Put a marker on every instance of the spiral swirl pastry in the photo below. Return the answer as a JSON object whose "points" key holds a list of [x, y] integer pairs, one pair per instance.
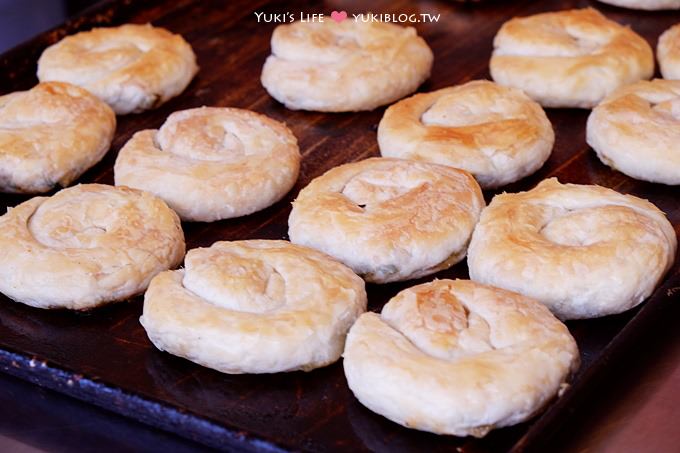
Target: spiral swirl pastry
{"points": [[584, 251], [212, 163], [389, 219], [49, 135], [496, 133], [569, 58], [86, 246], [636, 130], [456, 357], [132, 67], [343, 67], [254, 307]]}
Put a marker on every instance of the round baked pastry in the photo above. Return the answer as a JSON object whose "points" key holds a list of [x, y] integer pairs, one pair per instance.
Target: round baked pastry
{"points": [[668, 53], [645, 4], [343, 67], [254, 307], [496, 133], [456, 357], [389, 219], [132, 67], [584, 251], [86, 246], [212, 163], [569, 58], [49, 135], [636, 130]]}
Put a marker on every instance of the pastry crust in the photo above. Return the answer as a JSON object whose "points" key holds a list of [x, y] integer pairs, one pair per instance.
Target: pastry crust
{"points": [[86, 246], [569, 58], [636, 130], [389, 219], [212, 163], [668, 53], [49, 135], [254, 307], [496, 133], [343, 67], [456, 357], [649, 5], [132, 67], [584, 251]]}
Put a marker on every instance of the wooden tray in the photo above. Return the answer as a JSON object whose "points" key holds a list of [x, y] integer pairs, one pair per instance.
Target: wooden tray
{"points": [[104, 356]]}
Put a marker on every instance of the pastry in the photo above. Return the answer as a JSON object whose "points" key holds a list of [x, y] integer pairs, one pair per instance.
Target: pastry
{"points": [[584, 251], [212, 163], [389, 219], [496, 133], [86, 246], [650, 5], [343, 67], [668, 53], [254, 307], [569, 58], [456, 357], [132, 67], [49, 136], [636, 130]]}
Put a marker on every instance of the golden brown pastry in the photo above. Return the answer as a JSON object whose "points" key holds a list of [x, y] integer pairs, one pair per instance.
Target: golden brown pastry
{"points": [[51, 134], [212, 163], [668, 52], [569, 58], [496, 133], [584, 251], [343, 67], [86, 246], [254, 307], [132, 67], [636, 130], [389, 219], [456, 357]]}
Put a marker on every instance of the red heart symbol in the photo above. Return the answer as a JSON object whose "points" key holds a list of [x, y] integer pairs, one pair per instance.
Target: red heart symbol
{"points": [[339, 16]]}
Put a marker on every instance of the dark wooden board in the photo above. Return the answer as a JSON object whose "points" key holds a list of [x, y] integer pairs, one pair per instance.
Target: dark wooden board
{"points": [[104, 356]]}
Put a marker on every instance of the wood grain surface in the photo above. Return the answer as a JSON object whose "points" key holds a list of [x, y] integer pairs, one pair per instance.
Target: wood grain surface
{"points": [[104, 356]]}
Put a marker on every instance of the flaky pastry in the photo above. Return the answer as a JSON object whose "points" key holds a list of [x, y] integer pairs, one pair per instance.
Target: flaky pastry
{"points": [[132, 67], [212, 163], [496, 133], [636, 130], [668, 53], [569, 58], [584, 251], [51, 134], [389, 219], [254, 307], [456, 357], [86, 246], [341, 67]]}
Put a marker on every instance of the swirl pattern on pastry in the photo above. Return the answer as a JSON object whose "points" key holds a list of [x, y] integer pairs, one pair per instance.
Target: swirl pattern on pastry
{"points": [[341, 67], [50, 135], [132, 67], [584, 251], [636, 130], [86, 246], [496, 133], [457, 357], [212, 163], [254, 306], [569, 58], [389, 219]]}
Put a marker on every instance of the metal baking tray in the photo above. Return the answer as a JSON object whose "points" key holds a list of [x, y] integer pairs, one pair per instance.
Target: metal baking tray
{"points": [[104, 356]]}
